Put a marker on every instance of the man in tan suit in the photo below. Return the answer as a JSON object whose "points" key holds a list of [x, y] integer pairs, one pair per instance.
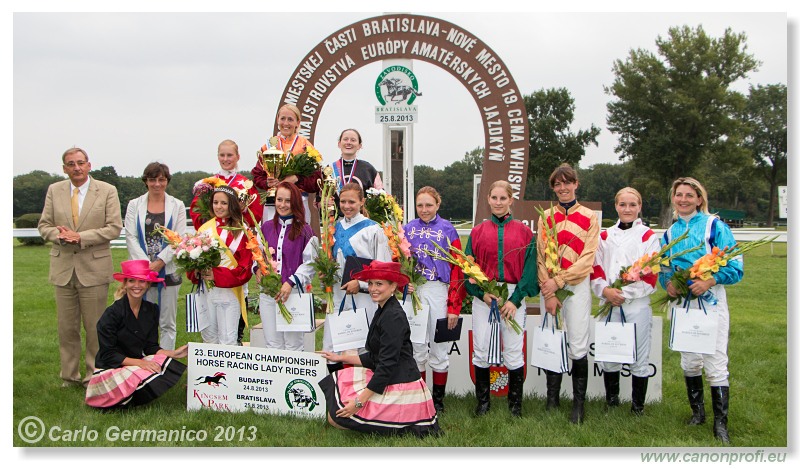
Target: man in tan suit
{"points": [[81, 216]]}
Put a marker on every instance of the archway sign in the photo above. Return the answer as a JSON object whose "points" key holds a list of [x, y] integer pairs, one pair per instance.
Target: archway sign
{"points": [[473, 63]]}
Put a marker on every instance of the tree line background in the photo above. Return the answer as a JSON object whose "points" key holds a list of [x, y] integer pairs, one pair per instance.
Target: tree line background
{"points": [[674, 113]]}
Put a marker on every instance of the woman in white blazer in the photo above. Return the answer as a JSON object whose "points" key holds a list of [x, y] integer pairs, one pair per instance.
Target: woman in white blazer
{"points": [[144, 213]]}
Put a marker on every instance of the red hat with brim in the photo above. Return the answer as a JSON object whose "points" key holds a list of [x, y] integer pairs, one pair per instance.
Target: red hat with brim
{"points": [[138, 269], [377, 270]]}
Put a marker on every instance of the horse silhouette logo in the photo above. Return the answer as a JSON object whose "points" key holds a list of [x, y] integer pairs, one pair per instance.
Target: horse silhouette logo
{"points": [[397, 91], [300, 395], [212, 380], [396, 84]]}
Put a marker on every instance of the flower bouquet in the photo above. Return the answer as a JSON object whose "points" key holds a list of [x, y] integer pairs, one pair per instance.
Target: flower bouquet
{"points": [[704, 267], [193, 253], [324, 263], [401, 253], [268, 269], [303, 164], [553, 253], [382, 206], [646, 267], [204, 191], [475, 274]]}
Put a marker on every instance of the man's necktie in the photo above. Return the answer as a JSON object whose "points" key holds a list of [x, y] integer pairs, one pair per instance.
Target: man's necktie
{"points": [[75, 211]]}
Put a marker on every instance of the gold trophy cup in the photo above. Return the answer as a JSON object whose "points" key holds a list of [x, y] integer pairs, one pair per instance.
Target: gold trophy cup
{"points": [[272, 160]]}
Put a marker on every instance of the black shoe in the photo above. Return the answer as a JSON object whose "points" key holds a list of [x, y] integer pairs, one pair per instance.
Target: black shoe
{"points": [[553, 389], [694, 389], [719, 400], [580, 379], [438, 397], [516, 378], [481, 390], [611, 380], [638, 394]]}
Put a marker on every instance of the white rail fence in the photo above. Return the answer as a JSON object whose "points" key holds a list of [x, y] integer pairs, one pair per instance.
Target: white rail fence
{"points": [[740, 234]]}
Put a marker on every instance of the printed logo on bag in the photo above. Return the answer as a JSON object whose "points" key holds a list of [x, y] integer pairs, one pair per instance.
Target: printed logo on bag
{"points": [[214, 381], [695, 327], [614, 338], [300, 395]]}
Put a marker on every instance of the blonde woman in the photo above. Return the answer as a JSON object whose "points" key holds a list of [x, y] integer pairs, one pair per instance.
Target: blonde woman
{"points": [[620, 246], [443, 290], [505, 251], [291, 143], [690, 208], [131, 367]]}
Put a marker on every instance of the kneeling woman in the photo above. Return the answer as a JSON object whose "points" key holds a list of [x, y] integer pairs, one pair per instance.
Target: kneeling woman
{"points": [[384, 391], [131, 369]]}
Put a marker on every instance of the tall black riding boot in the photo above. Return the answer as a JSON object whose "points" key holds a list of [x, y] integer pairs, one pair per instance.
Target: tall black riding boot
{"points": [[439, 385], [638, 394], [481, 390], [580, 379], [694, 389], [516, 378], [611, 380], [553, 389], [438, 397], [719, 400]]}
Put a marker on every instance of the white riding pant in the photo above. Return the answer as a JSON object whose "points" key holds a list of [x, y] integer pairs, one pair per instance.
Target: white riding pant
{"points": [[512, 342], [272, 337], [576, 312], [224, 312], [433, 294], [715, 364], [637, 311]]}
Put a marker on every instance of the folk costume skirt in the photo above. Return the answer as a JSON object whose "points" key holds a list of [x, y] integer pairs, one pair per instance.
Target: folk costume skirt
{"points": [[129, 386], [403, 408]]}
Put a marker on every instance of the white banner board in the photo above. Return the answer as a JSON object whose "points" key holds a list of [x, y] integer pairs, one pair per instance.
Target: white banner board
{"points": [[459, 380], [783, 201], [233, 379]]}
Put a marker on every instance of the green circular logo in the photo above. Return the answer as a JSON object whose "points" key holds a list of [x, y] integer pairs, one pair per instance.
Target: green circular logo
{"points": [[300, 394], [397, 85]]}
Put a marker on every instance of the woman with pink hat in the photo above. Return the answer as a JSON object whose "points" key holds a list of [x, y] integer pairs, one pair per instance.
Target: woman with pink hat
{"points": [[130, 368], [383, 391]]}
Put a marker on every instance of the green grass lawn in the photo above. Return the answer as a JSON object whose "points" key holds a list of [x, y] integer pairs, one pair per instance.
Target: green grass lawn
{"points": [[758, 367]]}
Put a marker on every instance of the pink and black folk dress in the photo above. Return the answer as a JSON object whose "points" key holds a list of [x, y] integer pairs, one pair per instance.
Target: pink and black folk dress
{"points": [[402, 403], [122, 335]]}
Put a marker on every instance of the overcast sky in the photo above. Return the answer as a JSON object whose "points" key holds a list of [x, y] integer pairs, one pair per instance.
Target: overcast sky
{"points": [[131, 88]]}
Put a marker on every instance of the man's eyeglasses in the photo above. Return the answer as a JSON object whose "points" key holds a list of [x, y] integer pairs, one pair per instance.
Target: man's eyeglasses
{"points": [[73, 164]]}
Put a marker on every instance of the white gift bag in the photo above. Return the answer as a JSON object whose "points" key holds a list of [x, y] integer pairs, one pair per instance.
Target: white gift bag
{"points": [[693, 330], [348, 327], [301, 307], [418, 322], [615, 342], [549, 348]]}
